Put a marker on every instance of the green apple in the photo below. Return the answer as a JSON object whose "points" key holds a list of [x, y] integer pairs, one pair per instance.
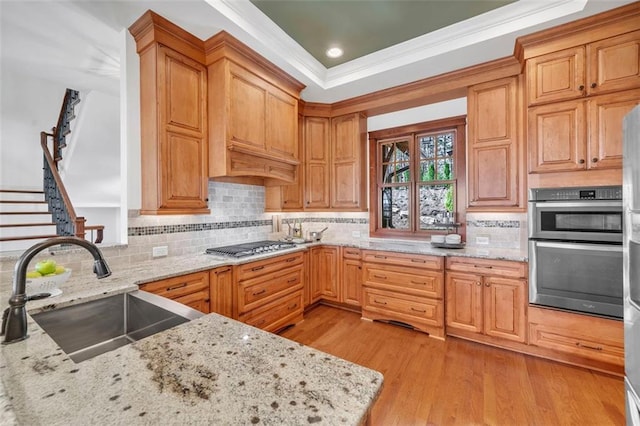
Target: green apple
{"points": [[60, 270], [46, 267], [33, 274]]}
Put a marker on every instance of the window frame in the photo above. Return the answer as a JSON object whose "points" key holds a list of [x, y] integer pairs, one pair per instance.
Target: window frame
{"points": [[411, 132]]}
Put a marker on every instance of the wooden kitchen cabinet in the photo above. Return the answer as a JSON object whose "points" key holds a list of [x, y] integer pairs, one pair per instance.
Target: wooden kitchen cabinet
{"points": [[348, 158], [253, 113], [317, 154], [173, 124], [191, 290], [405, 288], [486, 297], [604, 66], [270, 291], [495, 148], [351, 277], [324, 272], [580, 134], [221, 291]]}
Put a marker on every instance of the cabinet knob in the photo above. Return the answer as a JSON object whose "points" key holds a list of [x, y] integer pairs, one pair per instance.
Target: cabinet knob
{"points": [[581, 88], [594, 85], [478, 283], [594, 160], [487, 285], [581, 161]]}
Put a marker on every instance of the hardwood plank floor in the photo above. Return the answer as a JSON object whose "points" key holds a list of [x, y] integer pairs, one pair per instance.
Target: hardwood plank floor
{"points": [[456, 382]]}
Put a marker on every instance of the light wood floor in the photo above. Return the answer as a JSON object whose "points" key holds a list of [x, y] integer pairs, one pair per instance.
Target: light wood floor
{"points": [[427, 381]]}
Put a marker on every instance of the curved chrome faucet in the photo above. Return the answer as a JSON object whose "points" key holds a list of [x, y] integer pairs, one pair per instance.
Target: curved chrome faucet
{"points": [[15, 324]]}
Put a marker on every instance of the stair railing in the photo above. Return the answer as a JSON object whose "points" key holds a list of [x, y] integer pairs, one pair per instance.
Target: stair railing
{"points": [[64, 215]]}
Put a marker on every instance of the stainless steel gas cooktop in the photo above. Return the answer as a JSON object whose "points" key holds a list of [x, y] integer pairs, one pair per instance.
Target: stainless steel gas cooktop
{"points": [[248, 249]]}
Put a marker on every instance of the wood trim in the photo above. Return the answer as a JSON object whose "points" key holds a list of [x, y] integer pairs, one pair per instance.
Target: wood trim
{"points": [[447, 86], [417, 128], [263, 155], [602, 25], [224, 45], [152, 28], [315, 109]]}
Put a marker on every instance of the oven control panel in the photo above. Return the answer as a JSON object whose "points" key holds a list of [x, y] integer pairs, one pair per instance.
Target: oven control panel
{"points": [[562, 194]]}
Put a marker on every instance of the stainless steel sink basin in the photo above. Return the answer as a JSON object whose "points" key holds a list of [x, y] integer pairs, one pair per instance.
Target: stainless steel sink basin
{"points": [[92, 328]]}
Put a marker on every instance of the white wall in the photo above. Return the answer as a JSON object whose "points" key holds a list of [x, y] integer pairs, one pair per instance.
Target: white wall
{"points": [[419, 114]]}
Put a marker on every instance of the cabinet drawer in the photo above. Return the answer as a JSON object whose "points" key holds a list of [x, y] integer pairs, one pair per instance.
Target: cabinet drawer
{"points": [[499, 268], [261, 267], [404, 308], [395, 278], [403, 259], [198, 301], [351, 253], [173, 288], [277, 314], [257, 291], [585, 336]]}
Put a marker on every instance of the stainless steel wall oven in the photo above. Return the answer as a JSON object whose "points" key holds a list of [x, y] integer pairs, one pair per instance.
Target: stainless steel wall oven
{"points": [[575, 249]]}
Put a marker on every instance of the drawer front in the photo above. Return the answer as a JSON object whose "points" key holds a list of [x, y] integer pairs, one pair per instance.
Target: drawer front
{"points": [[260, 290], [403, 307], [198, 301], [261, 267], [403, 259], [422, 283], [499, 268], [172, 288], [277, 314], [351, 253]]}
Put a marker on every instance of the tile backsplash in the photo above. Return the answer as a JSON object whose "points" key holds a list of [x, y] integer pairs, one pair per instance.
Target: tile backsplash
{"points": [[497, 230]]}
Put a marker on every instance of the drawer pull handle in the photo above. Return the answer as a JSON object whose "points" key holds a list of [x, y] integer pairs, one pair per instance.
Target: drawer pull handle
{"points": [[418, 261], [379, 302], [582, 345], [258, 293], [223, 271], [295, 305], [292, 280], [260, 322], [422, 311], [418, 282], [481, 266], [291, 259], [382, 277], [175, 287], [352, 252], [257, 268], [377, 256]]}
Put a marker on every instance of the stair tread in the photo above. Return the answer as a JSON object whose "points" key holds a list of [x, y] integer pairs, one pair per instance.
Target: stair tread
{"points": [[29, 237], [12, 225]]}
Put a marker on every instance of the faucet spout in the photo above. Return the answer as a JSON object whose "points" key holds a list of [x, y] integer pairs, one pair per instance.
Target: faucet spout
{"points": [[14, 325]]}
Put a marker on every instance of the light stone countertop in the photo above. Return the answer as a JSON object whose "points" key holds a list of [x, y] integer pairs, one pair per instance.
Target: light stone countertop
{"points": [[213, 370]]}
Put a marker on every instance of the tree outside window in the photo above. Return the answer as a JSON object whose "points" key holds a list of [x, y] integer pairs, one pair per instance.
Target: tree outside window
{"points": [[418, 179]]}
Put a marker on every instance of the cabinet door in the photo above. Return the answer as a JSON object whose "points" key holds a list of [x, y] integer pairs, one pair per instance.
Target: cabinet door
{"points": [[614, 63], [504, 308], [556, 76], [198, 301], [316, 144], [493, 113], [557, 137], [281, 124], [347, 156], [464, 301], [606, 113], [221, 291], [325, 273], [352, 282]]}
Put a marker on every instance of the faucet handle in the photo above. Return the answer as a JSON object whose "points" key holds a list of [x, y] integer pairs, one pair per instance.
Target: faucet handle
{"points": [[101, 269]]}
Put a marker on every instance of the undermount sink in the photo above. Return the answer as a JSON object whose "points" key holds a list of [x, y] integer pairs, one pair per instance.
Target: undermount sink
{"points": [[92, 328]]}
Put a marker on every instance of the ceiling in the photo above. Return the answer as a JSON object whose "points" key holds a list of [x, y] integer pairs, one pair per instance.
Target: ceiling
{"points": [[81, 40], [363, 27]]}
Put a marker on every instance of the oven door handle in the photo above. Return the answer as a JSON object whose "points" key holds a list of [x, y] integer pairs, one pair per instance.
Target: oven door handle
{"points": [[578, 246], [574, 204]]}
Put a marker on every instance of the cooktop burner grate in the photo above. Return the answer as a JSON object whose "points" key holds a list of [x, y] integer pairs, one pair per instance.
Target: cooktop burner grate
{"points": [[248, 249]]}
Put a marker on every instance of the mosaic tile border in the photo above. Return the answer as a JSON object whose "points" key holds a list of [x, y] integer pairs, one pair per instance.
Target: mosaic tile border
{"points": [[494, 223], [137, 231], [352, 221]]}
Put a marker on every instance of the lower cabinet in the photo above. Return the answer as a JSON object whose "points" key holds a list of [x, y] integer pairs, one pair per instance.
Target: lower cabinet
{"points": [[221, 287], [404, 288], [270, 292], [324, 273], [351, 277], [191, 290], [486, 298]]}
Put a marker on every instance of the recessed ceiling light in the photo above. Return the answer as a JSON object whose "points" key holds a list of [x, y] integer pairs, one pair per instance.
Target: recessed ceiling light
{"points": [[334, 52]]}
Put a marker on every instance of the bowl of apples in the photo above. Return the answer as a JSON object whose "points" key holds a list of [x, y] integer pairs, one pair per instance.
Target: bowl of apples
{"points": [[46, 278]]}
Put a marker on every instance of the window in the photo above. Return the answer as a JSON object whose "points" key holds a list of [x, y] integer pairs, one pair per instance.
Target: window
{"points": [[417, 178]]}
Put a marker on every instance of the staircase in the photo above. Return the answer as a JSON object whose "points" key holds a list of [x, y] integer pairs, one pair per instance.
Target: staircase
{"points": [[28, 217]]}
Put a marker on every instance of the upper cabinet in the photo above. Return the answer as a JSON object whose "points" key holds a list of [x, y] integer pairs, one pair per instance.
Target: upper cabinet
{"points": [[173, 94], [603, 66], [253, 114], [348, 158], [495, 148], [316, 165]]}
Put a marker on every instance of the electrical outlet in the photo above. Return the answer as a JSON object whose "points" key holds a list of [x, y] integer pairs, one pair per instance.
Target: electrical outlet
{"points": [[160, 251], [482, 240], [355, 234]]}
